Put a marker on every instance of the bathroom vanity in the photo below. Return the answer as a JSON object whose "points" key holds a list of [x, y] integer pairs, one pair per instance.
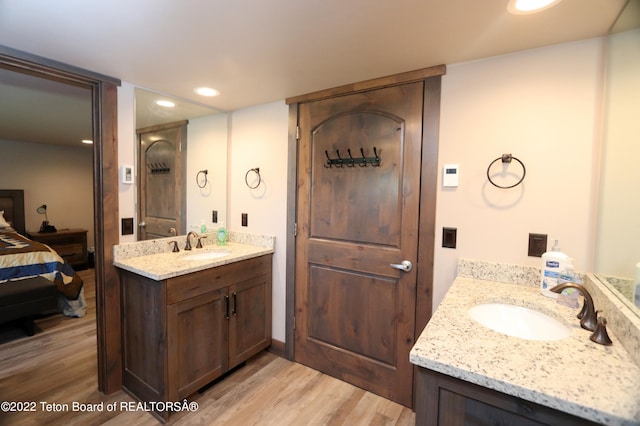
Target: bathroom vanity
{"points": [[190, 317], [468, 371]]}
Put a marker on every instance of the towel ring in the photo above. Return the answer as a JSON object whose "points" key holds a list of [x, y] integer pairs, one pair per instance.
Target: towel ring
{"points": [[506, 158], [205, 178], [246, 177]]}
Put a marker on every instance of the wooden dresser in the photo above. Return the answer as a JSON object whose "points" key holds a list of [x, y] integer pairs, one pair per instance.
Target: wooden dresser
{"points": [[71, 245]]}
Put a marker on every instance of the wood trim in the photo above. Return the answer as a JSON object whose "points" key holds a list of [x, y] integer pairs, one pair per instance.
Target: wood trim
{"points": [[163, 126], [428, 195], [108, 307], [292, 185], [42, 67], [105, 194], [376, 83], [277, 348]]}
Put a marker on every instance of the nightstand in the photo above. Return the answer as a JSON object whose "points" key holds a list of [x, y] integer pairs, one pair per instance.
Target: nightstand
{"points": [[71, 245]]}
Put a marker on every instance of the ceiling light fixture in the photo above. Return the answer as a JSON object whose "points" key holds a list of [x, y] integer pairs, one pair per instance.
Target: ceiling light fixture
{"points": [[87, 141], [164, 103], [523, 7], [206, 91]]}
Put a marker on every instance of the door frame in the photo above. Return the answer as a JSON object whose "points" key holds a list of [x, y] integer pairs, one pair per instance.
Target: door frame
{"points": [[104, 113], [432, 78]]}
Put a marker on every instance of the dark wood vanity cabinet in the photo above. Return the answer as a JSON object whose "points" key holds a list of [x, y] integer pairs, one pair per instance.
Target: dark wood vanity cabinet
{"points": [[184, 332], [446, 401]]}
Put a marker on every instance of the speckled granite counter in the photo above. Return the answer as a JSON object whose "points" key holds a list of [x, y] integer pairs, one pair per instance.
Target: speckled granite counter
{"points": [[154, 258], [573, 375]]}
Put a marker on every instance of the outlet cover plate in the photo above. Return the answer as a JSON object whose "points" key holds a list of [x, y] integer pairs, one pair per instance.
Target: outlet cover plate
{"points": [[449, 237], [127, 225], [537, 244]]}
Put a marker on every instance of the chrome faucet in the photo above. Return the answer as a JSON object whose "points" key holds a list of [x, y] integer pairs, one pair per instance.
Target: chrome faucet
{"points": [[187, 246], [588, 316]]}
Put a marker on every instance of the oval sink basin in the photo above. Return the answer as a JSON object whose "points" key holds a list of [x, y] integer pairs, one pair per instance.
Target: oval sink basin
{"points": [[207, 255], [518, 321]]}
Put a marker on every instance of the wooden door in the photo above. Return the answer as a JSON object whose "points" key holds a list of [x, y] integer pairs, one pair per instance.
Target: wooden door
{"points": [[354, 312], [161, 191]]}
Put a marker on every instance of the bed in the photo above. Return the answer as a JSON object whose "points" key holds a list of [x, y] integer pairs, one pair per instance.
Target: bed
{"points": [[34, 279]]}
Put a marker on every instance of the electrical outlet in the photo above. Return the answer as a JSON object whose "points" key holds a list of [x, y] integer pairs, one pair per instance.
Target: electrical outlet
{"points": [[127, 225], [449, 237], [537, 244], [245, 219], [214, 216]]}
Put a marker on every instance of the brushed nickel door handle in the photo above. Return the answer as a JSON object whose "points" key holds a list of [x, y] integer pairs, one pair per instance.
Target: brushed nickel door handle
{"points": [[405, 266]]}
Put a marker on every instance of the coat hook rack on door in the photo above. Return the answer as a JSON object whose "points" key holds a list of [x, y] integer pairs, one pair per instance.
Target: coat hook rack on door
{"points": [[361, 161]]}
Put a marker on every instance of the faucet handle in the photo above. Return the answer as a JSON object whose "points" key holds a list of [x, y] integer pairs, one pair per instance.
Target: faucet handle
{"points": [[600, 334], [175, 246], [199, 245]]}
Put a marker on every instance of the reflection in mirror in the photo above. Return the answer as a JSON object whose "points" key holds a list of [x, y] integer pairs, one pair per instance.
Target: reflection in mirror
{"points": [[205, 147], [617, 262]]}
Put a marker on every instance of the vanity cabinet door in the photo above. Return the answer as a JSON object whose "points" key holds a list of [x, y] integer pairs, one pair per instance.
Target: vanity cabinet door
{"points": [[446, 401], [250, 318], [197, 334]]}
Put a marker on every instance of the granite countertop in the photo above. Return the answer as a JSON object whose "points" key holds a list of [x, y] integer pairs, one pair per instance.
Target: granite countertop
{"points": [[154, 259], [573, 375]]}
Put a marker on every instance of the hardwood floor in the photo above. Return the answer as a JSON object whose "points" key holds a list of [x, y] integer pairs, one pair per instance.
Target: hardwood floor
{"points": [[58, 366]]}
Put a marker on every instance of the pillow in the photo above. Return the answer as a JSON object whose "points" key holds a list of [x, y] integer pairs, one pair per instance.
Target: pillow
{"points": [[3, 222]]}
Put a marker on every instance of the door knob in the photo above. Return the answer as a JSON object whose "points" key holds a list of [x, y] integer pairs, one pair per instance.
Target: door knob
{"points": [[172, 231], [405, 266], [142, 224]]}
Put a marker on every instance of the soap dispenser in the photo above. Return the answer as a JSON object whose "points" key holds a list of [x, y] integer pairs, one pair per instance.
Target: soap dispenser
{"points": [[553, 262]]}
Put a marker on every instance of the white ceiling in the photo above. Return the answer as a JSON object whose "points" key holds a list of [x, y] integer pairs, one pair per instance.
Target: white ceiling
{"points": [[258, 51]]}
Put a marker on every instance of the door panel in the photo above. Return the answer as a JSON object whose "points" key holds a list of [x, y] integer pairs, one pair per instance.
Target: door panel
{"points": [[355, 313], [346, 314]]}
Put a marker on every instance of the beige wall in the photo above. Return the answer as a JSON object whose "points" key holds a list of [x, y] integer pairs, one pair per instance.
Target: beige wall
{"points": [[60, 177], [540, 105]]}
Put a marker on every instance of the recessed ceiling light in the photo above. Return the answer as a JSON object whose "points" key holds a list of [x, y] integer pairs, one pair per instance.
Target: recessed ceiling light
{"points": [[523, 7], [87, 141], [165, 103], [206, 91]]}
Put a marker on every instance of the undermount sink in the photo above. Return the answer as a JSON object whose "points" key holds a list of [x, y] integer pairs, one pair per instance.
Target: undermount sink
{"points": [[207, 255], [518, 321]]}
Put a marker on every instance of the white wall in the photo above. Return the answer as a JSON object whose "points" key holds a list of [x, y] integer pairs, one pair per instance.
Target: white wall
{"points": [[207, 150], [542, 106], [258, 138], [59, 176], [126, 155]]}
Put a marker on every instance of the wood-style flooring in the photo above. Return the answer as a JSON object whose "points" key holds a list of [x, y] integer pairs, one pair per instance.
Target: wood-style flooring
{"points": [[58, 366]]}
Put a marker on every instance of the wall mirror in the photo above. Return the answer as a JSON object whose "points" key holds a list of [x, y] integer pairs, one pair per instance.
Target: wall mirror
{"points": [[618, 231], [204, 153]]}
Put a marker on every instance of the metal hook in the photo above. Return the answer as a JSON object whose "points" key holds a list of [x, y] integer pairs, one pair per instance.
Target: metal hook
{"points": [[328, 164], [351, 162], [364, 158], [339, 163]]}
